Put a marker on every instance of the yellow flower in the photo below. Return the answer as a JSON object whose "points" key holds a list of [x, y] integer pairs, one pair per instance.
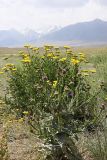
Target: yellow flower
{"points": [[85, 74], [63, 59], [54, 84], [74, 61], [56, 48], [14, 69], [50, 55], [42, 57], [35, 49], [47, 49], [21, 120], [69, 52], [82, 59], [55, 57], [84, 70], [1, 72], [67, 47], [26, 60], [25, 55], [49, 46], [9, 65], [48, 81], [31, 47], [93, 70], [26, 112], [27, 46], [4, 68], [81, 54], [21, 52], [58, 52]]}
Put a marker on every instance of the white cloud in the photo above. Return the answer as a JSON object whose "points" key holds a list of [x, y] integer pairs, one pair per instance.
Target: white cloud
{"points": [[42, 14], [57, 3], [101, 2]]}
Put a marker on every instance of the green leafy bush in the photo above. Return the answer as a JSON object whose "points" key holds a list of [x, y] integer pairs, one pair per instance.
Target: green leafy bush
{"points": [[54, 92]]}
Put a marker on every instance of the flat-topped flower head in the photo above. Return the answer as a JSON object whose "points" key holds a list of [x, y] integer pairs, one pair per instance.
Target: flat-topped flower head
{"points": [[67, 47], [58, 52], [69, 52], [48, 47], [74, 61], [42, 57], [9, 65], [4, 68], [35, 49], [21, 52], [26, 60], [92, 70], [50, 55], [27, 46], [81, 54], [25, 55], [85, 74], [62, 59], [55, 57], [85, 70], [1, 72], [56, 48], [25, 112], [14, 69], [31, 47], [54, 84]]}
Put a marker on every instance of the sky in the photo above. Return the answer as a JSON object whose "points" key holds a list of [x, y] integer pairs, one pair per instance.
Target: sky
{"points": [[42, 15]]}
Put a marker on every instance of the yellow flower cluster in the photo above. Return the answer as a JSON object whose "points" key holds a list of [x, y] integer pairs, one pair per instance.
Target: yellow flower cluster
{"points": [[27, 46], [1, 72], [82, 57], [54, 84], [74, 61], [21, 120], [35, 49], [67, 47], [93, 70], [26, 58], [62, 59], [68, 50], [48, 46], [55, 57], [86, 72], [8, 67], [25, 112], [50, 55]]}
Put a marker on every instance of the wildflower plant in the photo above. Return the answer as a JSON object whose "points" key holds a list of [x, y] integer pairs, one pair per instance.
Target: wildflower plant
{"points": [[53, 92]]}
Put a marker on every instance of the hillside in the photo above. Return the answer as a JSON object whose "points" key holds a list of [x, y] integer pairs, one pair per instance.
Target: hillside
{"points": [[93, 31]]}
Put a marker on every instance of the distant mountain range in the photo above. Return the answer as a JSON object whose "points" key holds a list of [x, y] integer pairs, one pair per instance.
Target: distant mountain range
{"points": [[81, 33], [13, 38]]}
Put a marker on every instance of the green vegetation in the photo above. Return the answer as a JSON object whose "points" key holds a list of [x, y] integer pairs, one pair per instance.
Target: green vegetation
{"points": [[61, 93]]}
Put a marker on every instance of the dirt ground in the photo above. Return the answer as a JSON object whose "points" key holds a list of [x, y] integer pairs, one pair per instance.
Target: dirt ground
{"points": [[16, 143]]}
